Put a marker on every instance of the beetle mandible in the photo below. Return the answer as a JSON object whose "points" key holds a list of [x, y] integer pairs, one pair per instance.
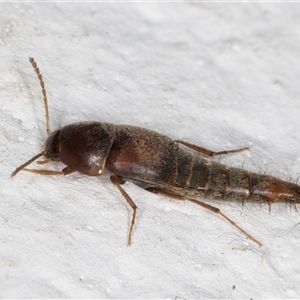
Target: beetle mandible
{"points": [[155, 163]]}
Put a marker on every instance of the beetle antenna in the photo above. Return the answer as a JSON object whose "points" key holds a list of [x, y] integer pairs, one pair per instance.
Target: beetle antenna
{"points": [[39, 75], [18, 169]]}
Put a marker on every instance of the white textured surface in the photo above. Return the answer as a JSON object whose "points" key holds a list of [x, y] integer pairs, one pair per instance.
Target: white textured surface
{"points": [[219, 75]]}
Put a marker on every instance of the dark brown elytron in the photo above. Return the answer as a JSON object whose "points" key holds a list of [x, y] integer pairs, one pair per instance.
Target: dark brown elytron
{"points": [[157, 164]]}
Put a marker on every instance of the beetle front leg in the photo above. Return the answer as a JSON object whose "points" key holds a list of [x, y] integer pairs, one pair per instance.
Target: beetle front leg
{"points": [[65, 171], [117, 181]]}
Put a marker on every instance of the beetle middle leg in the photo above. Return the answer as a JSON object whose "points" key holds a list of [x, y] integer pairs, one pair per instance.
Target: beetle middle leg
{"points": [[204, 205], [117, 181], [207, 151]]}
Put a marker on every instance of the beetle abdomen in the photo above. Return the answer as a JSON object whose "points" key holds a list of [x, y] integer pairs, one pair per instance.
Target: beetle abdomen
{"points": [[204, 178]]}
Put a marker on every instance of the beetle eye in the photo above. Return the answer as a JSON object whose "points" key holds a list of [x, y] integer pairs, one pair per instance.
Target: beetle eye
{"points": [[52, 146]]}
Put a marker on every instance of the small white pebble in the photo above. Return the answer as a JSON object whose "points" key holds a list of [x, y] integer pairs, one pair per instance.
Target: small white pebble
{"points": [[290, 293], [168, 209], [236, 48], [90, 228]]}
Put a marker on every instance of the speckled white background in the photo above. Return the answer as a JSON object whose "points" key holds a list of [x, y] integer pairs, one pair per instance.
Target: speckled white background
{"points": [[221, 75]]}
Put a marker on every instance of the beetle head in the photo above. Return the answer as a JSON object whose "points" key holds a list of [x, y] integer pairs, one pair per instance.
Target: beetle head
{"points": [[52, 146]]}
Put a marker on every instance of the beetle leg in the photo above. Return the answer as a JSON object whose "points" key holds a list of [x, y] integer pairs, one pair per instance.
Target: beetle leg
{"points": [[209, 152], [117, 181], [65, 171], [204, 205], [45, 161]]}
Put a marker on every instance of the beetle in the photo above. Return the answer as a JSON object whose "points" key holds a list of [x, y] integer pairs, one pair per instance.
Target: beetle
{"points": [[155, 163]]}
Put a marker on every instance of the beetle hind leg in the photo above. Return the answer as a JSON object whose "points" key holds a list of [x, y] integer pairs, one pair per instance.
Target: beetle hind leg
{"points": [[204, 205], [209, 152]]}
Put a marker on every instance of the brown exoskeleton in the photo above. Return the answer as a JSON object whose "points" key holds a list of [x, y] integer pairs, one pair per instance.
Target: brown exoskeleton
{"points": [[156, 163]]}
